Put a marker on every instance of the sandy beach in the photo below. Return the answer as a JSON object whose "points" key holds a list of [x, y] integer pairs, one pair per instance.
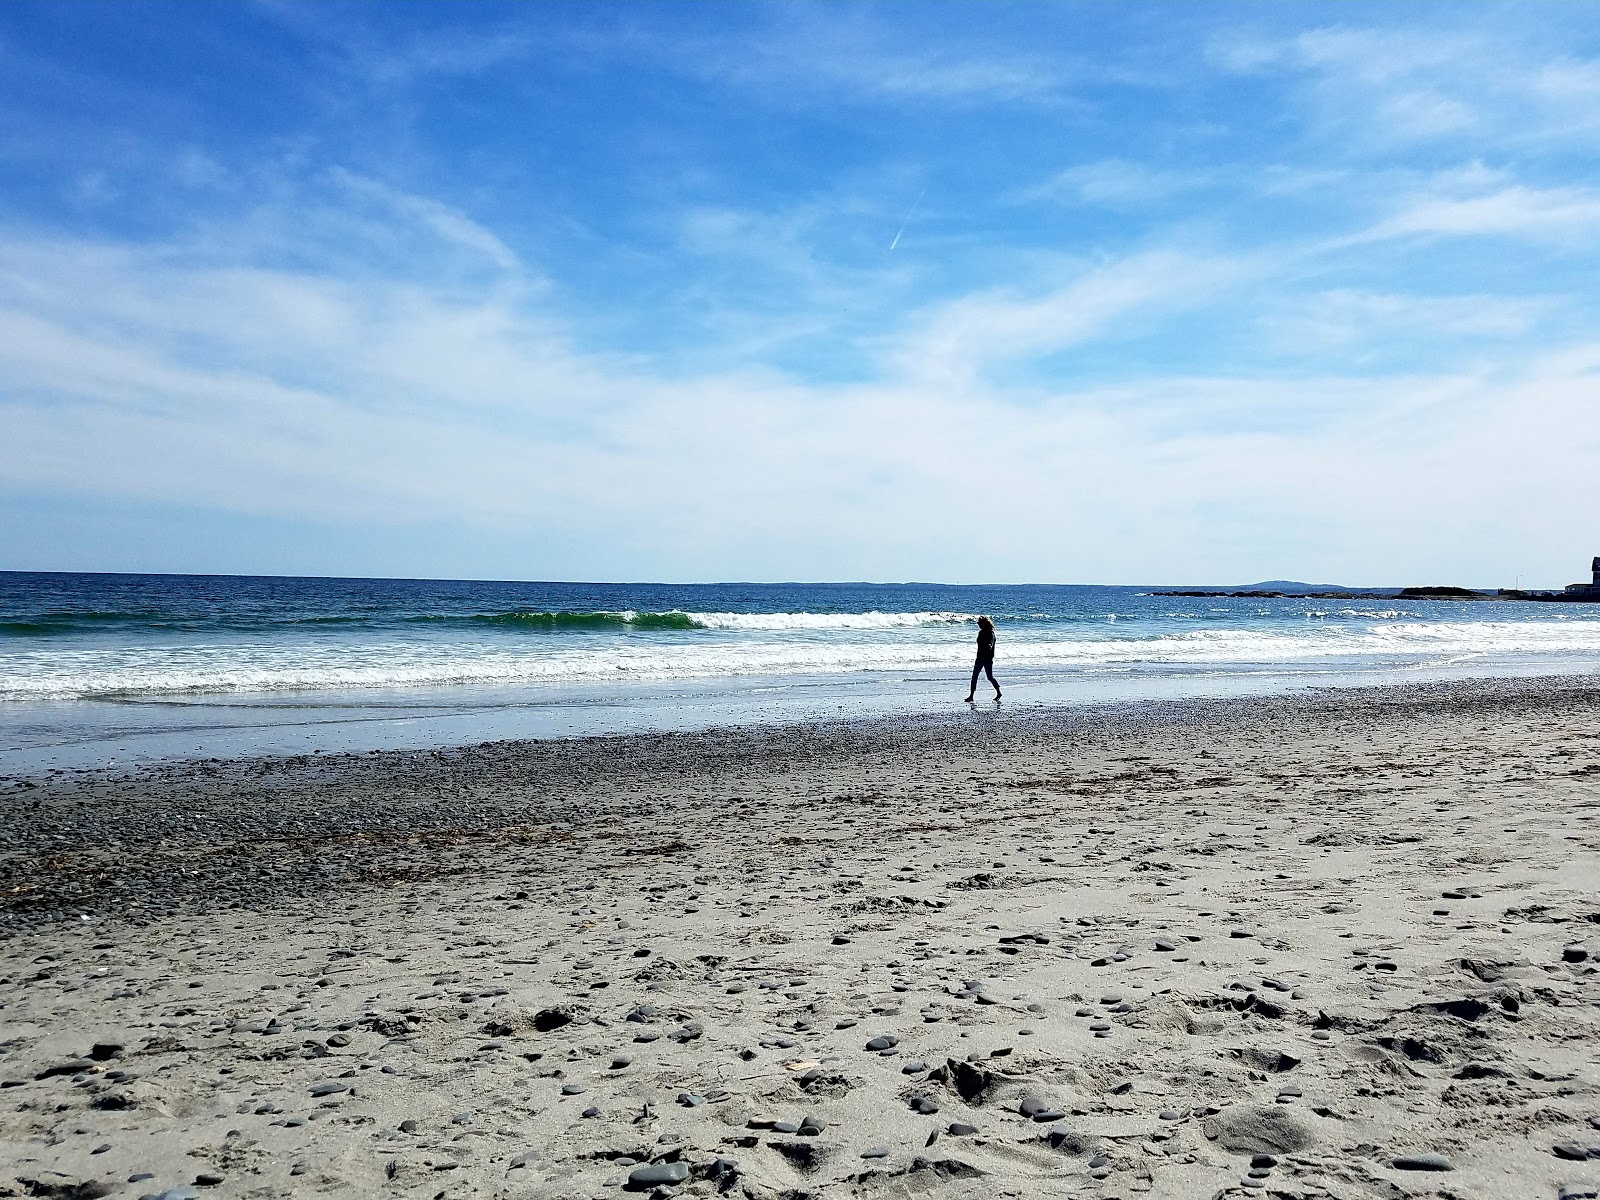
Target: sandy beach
{"points": [[1341, 945]]}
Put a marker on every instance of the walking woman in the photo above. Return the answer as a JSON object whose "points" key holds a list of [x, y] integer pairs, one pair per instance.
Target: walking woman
{"points": [[985, 661]]}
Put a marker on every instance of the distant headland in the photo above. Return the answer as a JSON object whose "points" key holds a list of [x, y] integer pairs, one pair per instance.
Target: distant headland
{"points": [[1283, 589]]}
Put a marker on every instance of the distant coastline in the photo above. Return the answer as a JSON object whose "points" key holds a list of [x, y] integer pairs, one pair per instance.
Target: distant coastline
{"points": [[1284, 589], [1408, 593]]}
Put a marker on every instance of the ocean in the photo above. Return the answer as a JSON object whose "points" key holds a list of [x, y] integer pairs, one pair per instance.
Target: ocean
{"points": [[114, 669]]}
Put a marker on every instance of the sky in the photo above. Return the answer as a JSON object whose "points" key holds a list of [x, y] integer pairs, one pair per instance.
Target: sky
{"points": [[1049, 292]]}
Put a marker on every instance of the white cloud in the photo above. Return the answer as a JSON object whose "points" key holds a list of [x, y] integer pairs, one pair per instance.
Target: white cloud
{"points": [[1521, 211], [1347, 318], [444, 221], [1491, 80], [1113, 182], [953, 342], [145, 376]]}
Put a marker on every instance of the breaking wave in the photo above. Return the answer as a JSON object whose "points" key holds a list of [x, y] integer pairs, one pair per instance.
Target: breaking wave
{"points": [[133, 673]]}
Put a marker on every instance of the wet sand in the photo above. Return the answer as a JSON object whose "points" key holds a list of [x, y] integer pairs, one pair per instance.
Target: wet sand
{"points": [[1332, 946]]}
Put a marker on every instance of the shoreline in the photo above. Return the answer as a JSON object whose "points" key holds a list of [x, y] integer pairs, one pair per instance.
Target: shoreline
{"points": [[386, 797], [1339, 945]]}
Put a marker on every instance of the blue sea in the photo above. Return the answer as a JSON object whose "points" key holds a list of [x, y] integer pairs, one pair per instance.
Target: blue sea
{"points": [[116, 669]]}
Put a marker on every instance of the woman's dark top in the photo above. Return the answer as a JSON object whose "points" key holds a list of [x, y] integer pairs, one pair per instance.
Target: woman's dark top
{"points": [[985, 645]]}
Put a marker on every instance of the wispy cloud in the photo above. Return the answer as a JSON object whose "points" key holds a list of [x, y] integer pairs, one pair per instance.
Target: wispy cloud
{"points": [[1540, 213], [448, 223], [1364, 322], [617, 289], [1114, 182], [1492, 78]]}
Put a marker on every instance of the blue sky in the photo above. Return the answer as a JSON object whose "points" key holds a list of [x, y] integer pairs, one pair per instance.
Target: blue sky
{"points": [[1049, 292]]}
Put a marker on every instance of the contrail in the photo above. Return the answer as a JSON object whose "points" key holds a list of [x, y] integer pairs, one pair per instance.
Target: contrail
{"points": [[910, 212]]}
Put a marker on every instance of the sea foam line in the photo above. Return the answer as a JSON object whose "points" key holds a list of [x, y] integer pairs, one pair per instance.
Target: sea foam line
{"points": [[198, 670]]}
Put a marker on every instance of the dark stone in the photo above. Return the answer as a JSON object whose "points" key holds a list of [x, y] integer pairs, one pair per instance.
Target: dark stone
{"points": [[673, 1172], [550, 1019], [1423, 1162]]}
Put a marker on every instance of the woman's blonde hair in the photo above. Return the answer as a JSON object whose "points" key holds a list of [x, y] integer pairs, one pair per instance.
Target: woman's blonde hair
{"points": [[985, 623]]}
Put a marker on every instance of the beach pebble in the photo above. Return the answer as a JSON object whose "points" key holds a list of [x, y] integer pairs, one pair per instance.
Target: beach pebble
{"points": [[328, 1089], [573, 1089], [1574, 953], [673, 1172], [1039, 1109], [962, 1129], [924, 1105], [884, 1041], [876, 1152]]}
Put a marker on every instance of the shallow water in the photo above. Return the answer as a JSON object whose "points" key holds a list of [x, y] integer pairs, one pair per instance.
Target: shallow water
{"points": [[96, 669]]}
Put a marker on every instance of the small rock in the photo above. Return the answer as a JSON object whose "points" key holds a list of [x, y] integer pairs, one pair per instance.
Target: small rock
{"points": [[1423, 1162], [673, 1172]]}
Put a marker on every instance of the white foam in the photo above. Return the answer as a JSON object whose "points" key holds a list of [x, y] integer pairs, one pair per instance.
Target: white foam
{"points": [[788, 651], [823, 621]]}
